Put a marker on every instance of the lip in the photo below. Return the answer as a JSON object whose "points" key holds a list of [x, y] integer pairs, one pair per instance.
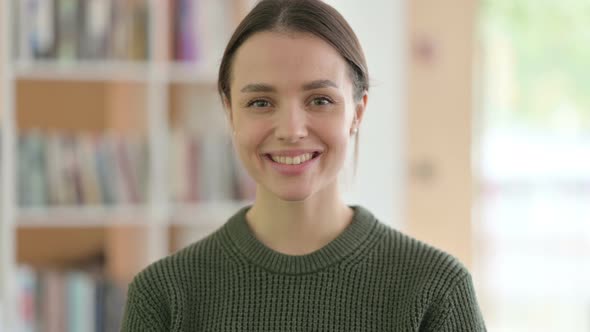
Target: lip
{"points": [[291, 153], [292, 170]]}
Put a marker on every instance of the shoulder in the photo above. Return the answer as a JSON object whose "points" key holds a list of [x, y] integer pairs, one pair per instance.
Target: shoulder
{"points": [[441, 286], [155, 292], [205, 258], [427, 266], [171, 273]]}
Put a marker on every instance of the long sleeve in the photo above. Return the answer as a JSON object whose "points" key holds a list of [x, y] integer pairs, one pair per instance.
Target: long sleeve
{"points": [[140, 314], [459, 311], [370, 278]]}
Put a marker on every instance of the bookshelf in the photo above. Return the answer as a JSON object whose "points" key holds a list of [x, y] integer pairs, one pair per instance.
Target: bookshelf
{"points": [[152, 88]]}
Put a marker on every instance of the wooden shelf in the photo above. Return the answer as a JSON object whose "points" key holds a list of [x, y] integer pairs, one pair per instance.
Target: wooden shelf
{"points": [[115, 71], [66, 247], [100, 71], [86, 216], [206, 215], [81, 107], [57, 247]]}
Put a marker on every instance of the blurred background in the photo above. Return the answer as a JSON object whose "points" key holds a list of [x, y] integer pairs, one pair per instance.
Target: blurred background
{"points": [[115, 151]]}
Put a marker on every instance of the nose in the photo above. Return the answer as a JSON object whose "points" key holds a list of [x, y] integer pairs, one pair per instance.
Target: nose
{"points": [[291, 124]]}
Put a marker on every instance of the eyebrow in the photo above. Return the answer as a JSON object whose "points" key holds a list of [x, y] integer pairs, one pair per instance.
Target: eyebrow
{"points": [[317, 84], [258, 87]]}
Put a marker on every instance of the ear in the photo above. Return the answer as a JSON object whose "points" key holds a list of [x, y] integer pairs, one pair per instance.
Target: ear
{"points": [[359, 112]]}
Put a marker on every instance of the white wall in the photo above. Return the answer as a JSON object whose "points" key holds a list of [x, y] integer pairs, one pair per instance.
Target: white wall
{"points": [[380, 181]]}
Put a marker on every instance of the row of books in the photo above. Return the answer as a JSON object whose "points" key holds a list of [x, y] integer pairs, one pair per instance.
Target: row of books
{"points": [[75, 169], [119, 29], [201, 28], [82, 169], [74, 300], [206, 168], [69, 30]]}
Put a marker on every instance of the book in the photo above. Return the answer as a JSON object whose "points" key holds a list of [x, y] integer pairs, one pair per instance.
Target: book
{"points": [[139, 30], [68, 18], [35, 29], [86, 155], [83, 169], [106, 173], [178, 166], [216, 171], [37, 161], [130, 193], [187, 30], [32, 186], [27, 297], [70, 30], [43, 32], [80, 301], [70, 169], [54, 170], [201, 30], [73, 299], [52, 302], [95, 28], [193, 161]]}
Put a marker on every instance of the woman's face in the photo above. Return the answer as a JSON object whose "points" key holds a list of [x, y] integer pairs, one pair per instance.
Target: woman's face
{"points": [[292, 113]]}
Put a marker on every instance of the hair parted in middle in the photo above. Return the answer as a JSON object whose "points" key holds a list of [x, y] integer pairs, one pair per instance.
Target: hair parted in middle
{"points": [[306, 16]]}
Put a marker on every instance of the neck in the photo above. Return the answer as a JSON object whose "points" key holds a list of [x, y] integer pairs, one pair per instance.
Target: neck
{"points": [[300, 227]]}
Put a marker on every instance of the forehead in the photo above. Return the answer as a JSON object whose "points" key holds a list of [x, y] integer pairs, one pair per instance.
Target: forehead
{"points": [[282, 59]]}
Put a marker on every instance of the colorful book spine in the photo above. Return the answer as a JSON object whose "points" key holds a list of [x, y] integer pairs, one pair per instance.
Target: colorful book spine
{"points": [[95, 28], [68, 301], [82, 169], [80, 301], [72, 30], [201, 30], [27, 295], [68, 28], [67, 169]]}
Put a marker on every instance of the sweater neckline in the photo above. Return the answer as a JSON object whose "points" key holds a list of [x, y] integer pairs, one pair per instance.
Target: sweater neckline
{"points": [[350, 240]]}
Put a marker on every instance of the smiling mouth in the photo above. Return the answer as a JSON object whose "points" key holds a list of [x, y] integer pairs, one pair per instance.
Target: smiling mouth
{"points": [[283, 160]]}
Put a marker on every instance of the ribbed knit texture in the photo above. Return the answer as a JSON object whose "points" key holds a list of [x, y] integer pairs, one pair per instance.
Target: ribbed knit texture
{"points": [[370, 278]]}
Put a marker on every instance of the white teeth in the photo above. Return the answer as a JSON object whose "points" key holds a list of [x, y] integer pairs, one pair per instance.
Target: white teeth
{"points": [[292, 160]]}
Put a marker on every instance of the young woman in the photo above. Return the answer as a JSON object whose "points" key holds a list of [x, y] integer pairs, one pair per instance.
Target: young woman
{"points": [[294, 83]]}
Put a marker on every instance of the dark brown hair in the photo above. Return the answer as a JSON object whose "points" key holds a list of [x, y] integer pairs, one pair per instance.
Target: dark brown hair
{"points": [[309, 16]]}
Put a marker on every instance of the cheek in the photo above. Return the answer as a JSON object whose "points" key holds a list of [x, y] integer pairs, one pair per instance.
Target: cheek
{"points": [[334, 132], [249, 134]]}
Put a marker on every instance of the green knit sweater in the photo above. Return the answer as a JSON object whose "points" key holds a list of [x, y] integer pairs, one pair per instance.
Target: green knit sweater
{"points": [[370, 278]]}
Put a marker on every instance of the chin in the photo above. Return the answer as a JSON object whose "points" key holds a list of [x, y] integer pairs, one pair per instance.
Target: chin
{"points": [[297, 195], [293, 196]]}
